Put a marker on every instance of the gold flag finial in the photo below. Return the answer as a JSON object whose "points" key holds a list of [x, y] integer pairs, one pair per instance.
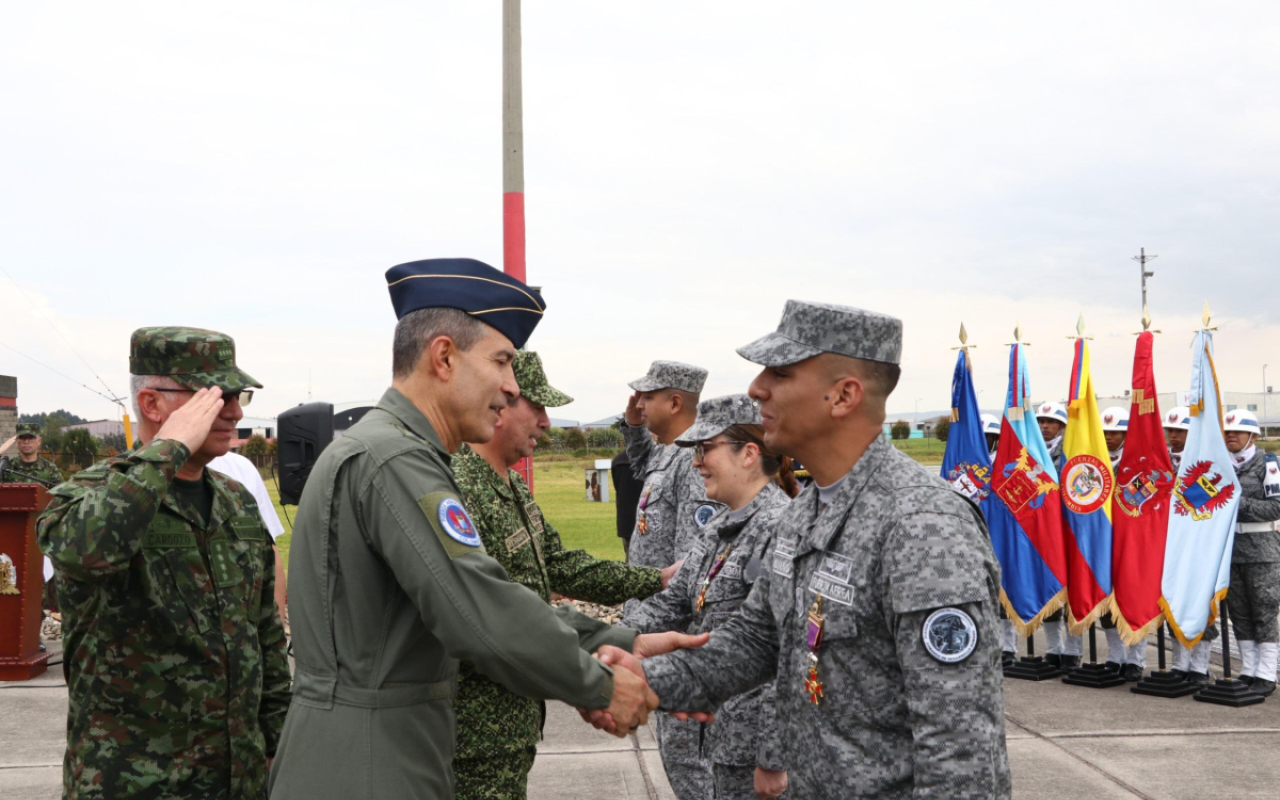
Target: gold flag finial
{"points": [[1080, 325], [1146, 318], [1017, 334], [1206, 316], [964, 336]]}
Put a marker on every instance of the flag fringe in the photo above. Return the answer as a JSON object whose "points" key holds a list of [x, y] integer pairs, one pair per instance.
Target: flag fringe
{"points": [[1079, 627], [1032, 625], [1128, 633], [1218, 597], [955, 415]]}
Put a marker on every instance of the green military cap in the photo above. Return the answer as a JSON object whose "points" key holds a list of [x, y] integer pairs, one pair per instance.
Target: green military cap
{"points": [[28, 429], [533, 381], [194, 357]]}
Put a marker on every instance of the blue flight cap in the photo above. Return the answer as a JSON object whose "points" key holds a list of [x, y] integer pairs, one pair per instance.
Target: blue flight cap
{"points": [[468, 285]]}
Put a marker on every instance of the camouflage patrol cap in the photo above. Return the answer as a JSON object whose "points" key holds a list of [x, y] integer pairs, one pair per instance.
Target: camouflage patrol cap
{"points": [[28, 429], [717, 415], [810, 329], [671, 375], [533, 381], [194, 357]]}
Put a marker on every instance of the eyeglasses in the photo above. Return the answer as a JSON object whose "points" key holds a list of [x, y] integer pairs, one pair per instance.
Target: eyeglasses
{"points": [[245, 396], [700, 449]]}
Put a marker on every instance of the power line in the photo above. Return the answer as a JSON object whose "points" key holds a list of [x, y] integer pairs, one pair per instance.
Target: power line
{"points": [[112, 400], [58, 331]]}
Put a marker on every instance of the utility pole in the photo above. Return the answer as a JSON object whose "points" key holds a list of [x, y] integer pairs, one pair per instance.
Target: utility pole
{"points": [[1142, 258], [512, 144], [1264, 401]]}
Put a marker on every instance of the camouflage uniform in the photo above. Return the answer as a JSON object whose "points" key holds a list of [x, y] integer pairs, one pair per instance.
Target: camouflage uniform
{"points": [[498, 730], [1254, 596], [673, 503], [42, 468], [744, 734], [911, 702], [175, 656], [673, 508]]}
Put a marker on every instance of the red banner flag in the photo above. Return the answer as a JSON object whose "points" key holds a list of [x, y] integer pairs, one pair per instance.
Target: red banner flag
{"points": [[1140, 507]]}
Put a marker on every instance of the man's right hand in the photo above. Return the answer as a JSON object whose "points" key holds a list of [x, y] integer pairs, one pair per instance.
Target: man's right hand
{"points": [[632, 415], [8, 443], [631, 703], [191, 423]]}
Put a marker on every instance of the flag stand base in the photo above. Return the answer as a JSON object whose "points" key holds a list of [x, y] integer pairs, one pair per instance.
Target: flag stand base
{"points": [[1094, 676], [1032, 668], [1229, 692], [1164, 684]]}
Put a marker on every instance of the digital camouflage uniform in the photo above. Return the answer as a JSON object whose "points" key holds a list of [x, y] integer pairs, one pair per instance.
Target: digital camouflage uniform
{"points": [[498, 730], [672, 509], [1254, 596], [744, 735], [911, 702], [175, 656]]}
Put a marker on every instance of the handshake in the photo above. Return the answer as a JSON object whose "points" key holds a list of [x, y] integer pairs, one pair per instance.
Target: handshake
{"points": [[632, 698]]}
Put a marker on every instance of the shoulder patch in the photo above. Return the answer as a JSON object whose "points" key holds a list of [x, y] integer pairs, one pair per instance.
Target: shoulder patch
{"points": [[704, 514], [949, 635], [451, 523]]}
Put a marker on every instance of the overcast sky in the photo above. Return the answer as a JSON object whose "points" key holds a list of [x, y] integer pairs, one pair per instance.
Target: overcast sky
{"points": [[256, 167]]}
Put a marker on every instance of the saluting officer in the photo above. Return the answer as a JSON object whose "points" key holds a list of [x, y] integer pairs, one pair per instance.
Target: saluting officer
{"points": [[175, 655], [878, 612], [390, 584], [29, 463], [673, 505], [498, 730], [742, 745], [1254, 597]]}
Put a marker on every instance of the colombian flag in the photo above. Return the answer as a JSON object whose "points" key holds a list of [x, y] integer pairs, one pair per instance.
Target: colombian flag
{"points": [[1026, 519], [1086, 484], [1206, 497], [1140, 507]]}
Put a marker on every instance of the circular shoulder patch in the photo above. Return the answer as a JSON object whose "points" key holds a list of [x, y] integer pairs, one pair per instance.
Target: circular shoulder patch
{"points": [[949, 635], [456, 523], [704, 514]]}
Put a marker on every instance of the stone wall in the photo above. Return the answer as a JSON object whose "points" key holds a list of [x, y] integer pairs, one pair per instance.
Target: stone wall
{"points": [[8, 407]]}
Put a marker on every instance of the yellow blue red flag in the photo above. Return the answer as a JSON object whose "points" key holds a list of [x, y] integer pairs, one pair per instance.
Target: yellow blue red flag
{"points": [[1087, 483]]}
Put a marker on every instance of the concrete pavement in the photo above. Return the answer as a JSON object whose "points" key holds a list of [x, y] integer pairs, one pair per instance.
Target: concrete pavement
{"points": [[1064, 742]]}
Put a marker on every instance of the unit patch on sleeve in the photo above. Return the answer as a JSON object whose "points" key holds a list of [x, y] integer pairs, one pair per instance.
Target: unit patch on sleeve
{"points": [[451, 523], [949, 635], [704, 514]]}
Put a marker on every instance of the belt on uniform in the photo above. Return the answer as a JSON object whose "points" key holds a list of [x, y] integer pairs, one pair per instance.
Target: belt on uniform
{"points": [[323, 691], [1255, 527]]}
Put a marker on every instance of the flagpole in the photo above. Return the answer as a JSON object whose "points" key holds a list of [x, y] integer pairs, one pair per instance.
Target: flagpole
{"points": [[1092, 675], [1162, 682], [1030, 667]]}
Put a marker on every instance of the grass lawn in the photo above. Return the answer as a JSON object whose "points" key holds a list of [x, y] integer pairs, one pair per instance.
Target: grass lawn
{"points": [[558, 486], [561, 494]]}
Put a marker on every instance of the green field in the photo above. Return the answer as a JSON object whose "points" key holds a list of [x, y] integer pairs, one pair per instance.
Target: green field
{"points": [[558, 486]]}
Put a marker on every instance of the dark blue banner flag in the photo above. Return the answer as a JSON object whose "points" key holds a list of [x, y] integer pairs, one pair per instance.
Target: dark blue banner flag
{"points": [[967, 462]]}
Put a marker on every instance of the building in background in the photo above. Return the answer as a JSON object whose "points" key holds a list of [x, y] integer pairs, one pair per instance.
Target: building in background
{"points": [[8, 407]]}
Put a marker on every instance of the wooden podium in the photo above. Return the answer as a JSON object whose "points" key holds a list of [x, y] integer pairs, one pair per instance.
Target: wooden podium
{"points": [[21, 582]]}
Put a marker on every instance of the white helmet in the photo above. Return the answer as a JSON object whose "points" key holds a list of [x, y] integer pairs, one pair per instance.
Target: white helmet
{"points": [[1179, 419], [990, 424], [1054, 411], [1116, 419], [1241, 420]]}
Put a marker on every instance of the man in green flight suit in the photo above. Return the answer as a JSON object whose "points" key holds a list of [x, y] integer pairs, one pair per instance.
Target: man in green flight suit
{"points": [[29, 462], [389, 583], [174, 654], [498, 730]]}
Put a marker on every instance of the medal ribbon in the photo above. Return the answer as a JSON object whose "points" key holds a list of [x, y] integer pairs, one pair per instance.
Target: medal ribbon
{"points": [[813, 638], [711, 575]]}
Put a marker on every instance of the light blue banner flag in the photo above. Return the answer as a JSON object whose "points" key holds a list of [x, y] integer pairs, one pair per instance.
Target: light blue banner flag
{"points": [[1206, 496]]}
